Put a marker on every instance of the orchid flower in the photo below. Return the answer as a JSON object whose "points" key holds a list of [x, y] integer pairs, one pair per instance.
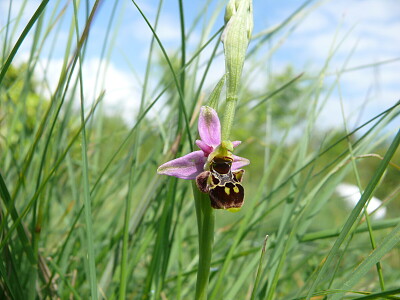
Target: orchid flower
{"points": [[199, 164]]}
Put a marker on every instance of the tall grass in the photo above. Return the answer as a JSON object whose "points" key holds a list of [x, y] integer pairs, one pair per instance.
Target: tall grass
{"points": [[84, 214]]}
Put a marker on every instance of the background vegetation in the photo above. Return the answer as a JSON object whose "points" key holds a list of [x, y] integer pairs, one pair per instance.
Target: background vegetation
{"points": [[84, 214]]}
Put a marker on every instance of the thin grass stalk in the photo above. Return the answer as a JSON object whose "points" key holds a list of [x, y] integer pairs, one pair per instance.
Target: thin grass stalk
{"points": [[36, 18], [292, 225], [183, 46], [6, 284], [382, 295], [65, 280], [38, 207], [5, 43], [85, 167], [259, 269], [166, 235], [178, 87], [101, 70], [358, 180], [330, 233], [132, 173], [10, 263], [125, 239], [390, 241], [205, 220], [355, 213], [28, 159], [21, 38], [7, 199], [382, 117]]}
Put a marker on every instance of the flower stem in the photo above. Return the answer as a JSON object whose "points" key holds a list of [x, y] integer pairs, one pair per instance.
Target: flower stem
{"points": [[205, 222], [228, 117]]}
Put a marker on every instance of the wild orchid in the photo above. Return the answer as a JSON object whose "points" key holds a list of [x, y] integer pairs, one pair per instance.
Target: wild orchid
{"points": [[214, 167]]}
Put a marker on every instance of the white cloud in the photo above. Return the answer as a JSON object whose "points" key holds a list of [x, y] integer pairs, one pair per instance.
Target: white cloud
{"points": [[372, 28], [121, 90], [168, 29], [373, 25], [24, 9], [18, 7], [376, 32], [371, 10], [315, 22], [351, 195]]}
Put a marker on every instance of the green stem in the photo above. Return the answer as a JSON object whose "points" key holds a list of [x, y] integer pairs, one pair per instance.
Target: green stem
{"points": [[205, 222], [358, 180], [229, 115]]}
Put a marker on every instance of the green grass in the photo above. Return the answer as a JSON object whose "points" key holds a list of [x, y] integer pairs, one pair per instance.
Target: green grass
{"points": [[83, 213]]}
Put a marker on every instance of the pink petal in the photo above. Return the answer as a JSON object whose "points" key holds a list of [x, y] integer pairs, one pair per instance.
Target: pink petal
{"points": [[185, 167], [236, 143], [203, 146], [209, 126], [239, 162]]}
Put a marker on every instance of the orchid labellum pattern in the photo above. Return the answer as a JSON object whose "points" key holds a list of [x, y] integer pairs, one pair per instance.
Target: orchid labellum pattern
{"points": [[216, 170]]}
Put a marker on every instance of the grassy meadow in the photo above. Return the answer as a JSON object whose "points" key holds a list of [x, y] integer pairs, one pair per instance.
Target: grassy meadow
{"points": [[84, 214]]}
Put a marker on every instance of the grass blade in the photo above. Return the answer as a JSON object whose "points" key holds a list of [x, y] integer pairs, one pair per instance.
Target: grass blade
{"points": [[356, 211]]}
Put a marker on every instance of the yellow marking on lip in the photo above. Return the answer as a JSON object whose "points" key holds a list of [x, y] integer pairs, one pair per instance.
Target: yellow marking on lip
{"points": [[236, 189], [227, 190], [233, 209]]}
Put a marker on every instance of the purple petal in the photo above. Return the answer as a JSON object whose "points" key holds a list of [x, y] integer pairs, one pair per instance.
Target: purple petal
{"points": [[209, 126], [236, 143], [203, 146], [239, 162], [185, 167]]}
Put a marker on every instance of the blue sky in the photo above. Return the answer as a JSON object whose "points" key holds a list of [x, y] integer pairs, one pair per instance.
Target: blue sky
{"points": [[371, 28]]}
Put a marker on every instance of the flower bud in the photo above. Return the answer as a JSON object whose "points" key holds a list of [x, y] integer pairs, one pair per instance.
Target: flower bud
{"points": [[236, 37]]}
